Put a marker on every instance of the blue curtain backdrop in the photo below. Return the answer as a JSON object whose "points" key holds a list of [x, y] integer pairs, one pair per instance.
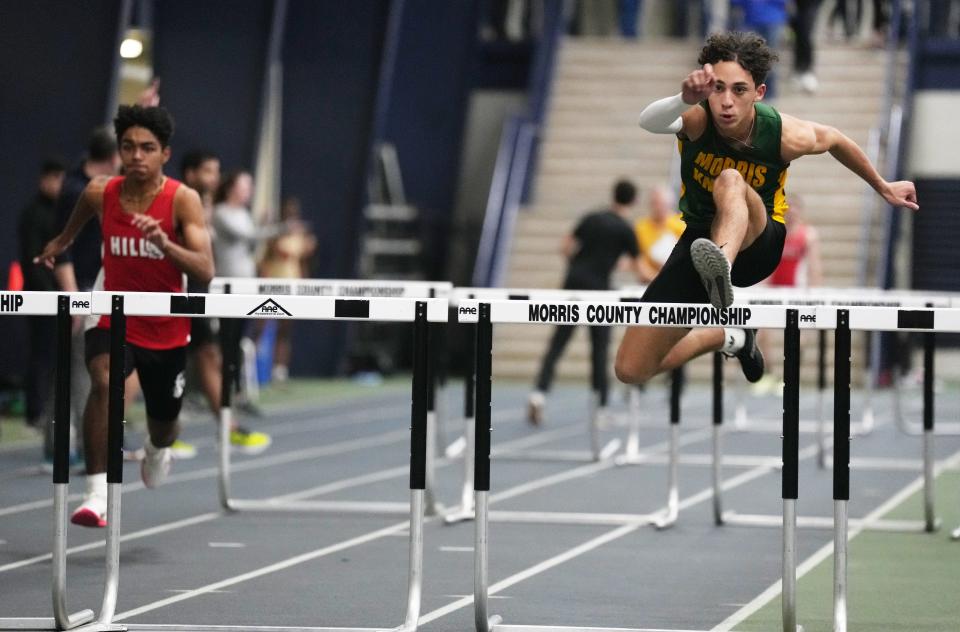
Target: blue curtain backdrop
{"points": [[210, 58]]}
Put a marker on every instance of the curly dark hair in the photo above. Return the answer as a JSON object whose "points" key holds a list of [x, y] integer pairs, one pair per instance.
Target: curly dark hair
{"points": [[155, 119], [747, 49]]}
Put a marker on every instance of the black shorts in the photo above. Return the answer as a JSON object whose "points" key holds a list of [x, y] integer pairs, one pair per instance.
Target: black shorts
{"points": [[201, 333], [679, 282], [161, 372]]}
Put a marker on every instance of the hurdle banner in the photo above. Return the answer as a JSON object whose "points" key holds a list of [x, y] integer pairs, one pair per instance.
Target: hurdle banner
{"points": [[420, 313], [63, 306], [350, 309]]}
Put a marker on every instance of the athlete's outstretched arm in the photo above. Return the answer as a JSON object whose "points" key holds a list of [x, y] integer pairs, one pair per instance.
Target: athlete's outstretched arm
{"points": [[89, 204], [195, 256], [804, 138], [676, 114]]}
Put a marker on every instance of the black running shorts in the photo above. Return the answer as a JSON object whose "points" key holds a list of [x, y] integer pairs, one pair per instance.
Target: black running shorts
{"points": [[161, 373], [678, 281]]}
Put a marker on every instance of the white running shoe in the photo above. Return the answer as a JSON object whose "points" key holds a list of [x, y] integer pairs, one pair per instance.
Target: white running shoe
{"points": [[92, 512], [155, 465], [536, 404]]}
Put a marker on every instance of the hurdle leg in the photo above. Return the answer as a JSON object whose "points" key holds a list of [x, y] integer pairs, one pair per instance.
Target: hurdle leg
{"points": [[115, 405], [868, 420], [841, 466], [465, 512], [821, 398], [668, 517], [717, 439], [227, 372], [632, 449], [419, 453], [929, 513], [789, 474], [484, 354]]}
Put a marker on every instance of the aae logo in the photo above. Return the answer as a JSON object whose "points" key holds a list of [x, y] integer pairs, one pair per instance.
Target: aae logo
{"points": [[467, 310], [808, 318], [269, 308], [80, 304]]}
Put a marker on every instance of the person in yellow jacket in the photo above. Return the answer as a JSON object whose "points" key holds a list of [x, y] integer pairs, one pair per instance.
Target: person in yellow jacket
{"points": [[658, 232]]}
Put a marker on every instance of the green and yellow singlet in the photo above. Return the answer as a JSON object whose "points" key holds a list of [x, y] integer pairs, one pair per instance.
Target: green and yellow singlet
{"points": [[760, 165]]}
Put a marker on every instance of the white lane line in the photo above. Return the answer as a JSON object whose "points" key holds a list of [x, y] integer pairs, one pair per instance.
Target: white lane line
{"points": [[312, 492], [135, 535], [226, 545], [299, 559], [266, 570], [456, 549], [609, 536], [826, 550], [186, 590]]}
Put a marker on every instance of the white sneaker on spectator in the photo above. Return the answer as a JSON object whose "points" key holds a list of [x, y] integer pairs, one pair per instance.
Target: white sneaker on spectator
{"points": [[155, 465], [92, 512]]}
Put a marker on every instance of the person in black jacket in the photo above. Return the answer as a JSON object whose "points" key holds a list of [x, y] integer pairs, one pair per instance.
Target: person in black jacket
{"points": [[593, 250], [38, 225]]}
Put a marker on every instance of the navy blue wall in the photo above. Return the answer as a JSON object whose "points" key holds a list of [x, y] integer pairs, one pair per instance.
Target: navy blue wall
{"points": [[431, 83], [210, 58], [331, 62], [56, 60]]}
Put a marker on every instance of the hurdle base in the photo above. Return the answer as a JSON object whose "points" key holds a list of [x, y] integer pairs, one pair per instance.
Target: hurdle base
{"points": [[46, 623], [176, 627], [322, 506], [823, 522], [560, 456], [955, 535], [460, 515], [572, 518], [561, 628], [101, 627]]}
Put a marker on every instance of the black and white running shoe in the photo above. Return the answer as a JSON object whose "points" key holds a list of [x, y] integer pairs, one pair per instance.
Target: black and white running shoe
{"points": [[714, 271], [751, 360]]}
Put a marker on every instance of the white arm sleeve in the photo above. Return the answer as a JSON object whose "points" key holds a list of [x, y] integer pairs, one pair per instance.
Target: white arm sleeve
{"points": [[663, 116]]}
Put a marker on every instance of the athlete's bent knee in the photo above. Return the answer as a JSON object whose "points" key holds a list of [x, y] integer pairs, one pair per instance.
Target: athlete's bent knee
{"points": [[629, 371], [728, 178]]}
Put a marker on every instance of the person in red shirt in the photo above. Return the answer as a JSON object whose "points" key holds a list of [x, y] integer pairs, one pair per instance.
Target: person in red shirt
{"points": [[153, 234], [800, 266]]}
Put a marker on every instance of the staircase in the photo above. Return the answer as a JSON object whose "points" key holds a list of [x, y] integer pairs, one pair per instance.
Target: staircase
{"points": [[591, 138]]}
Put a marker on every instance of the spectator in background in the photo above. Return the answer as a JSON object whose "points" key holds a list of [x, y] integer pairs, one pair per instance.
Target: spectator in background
{"points": [[287, 257], [38, 225], [593, 250], [235, 238], [767, 19], [804, 16], [200, 170], [800, 267], [658, 232]]}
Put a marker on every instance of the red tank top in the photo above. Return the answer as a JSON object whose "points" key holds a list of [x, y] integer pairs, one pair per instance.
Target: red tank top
{"points": [[794, 251], [133, 264]]}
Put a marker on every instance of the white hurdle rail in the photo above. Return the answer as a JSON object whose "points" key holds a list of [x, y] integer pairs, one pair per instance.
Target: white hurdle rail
{"points": [[596, 453], [792, 319], [64, 306], [235, 306], [346, 289], [486, 313]]}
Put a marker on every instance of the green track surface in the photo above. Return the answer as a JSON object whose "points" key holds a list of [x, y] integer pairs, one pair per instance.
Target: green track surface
{"points": [[897, 582]]}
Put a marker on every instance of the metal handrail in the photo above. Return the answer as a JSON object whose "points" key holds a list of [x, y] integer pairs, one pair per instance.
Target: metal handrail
{"points": [[513, 198], [495, 203]]}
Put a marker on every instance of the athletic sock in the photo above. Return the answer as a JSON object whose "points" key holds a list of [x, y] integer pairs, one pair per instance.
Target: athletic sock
{"points": [[733, 340], [97, 484]]}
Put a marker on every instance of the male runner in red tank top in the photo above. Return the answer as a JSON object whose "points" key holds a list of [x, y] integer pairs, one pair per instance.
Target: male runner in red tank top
{"points": [[153, 233]]}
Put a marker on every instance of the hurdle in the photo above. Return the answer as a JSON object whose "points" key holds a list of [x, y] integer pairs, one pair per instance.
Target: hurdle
{"points": [[896, 301], [596, 453], [345, 289], [486, 313], [63, 306], [843, 321], [241, 306]]}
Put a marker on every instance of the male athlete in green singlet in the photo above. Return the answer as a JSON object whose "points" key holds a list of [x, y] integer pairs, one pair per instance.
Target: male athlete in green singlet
{"points": [[734, 155]]}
